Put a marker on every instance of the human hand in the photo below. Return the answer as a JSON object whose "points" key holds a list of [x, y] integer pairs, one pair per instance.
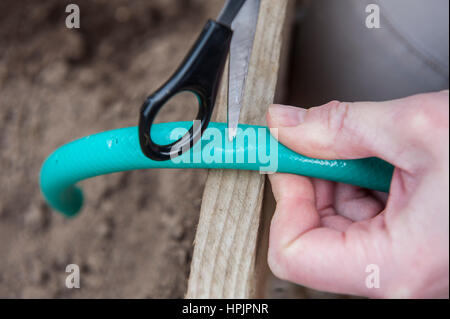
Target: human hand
{"points": [[323, 234]]}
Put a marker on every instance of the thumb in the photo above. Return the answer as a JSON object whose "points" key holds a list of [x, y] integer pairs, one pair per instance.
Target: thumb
{"points": [[339, 130]]}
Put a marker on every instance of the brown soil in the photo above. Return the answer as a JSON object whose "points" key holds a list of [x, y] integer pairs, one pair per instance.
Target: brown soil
{"points": [[134, 236]]}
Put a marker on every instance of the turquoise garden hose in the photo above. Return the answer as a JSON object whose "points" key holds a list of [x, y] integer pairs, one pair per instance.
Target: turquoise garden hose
{"points": [[119, 150]]}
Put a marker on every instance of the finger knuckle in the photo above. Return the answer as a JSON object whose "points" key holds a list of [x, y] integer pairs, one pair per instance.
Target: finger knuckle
{"points": [[276, 260], [338, 114], [334, 120], [429, 113]]}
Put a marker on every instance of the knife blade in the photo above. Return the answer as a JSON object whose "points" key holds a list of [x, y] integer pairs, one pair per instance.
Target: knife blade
{"points": [[229, 11], [244, 28]]}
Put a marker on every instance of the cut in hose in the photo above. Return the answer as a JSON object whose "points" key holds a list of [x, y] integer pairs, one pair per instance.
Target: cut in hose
{"points": [[119, 150]]}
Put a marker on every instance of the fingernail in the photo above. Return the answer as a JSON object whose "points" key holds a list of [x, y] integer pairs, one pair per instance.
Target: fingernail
{"points": [[284, 115]]}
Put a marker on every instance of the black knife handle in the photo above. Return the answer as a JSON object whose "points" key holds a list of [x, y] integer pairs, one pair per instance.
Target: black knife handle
{"points": [[199, 73]]}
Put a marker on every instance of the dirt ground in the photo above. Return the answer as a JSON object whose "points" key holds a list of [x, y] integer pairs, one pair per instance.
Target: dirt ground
{"points": [[134, 236]]}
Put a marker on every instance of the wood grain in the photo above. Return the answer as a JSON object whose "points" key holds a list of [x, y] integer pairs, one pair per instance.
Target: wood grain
{"points": [[228, 244]]}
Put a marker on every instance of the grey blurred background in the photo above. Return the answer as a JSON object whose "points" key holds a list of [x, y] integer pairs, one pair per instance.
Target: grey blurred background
{"points": [[336, 57]]}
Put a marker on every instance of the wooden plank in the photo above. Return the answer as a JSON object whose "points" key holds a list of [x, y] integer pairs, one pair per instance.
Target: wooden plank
{"points": [[226, 257]]}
